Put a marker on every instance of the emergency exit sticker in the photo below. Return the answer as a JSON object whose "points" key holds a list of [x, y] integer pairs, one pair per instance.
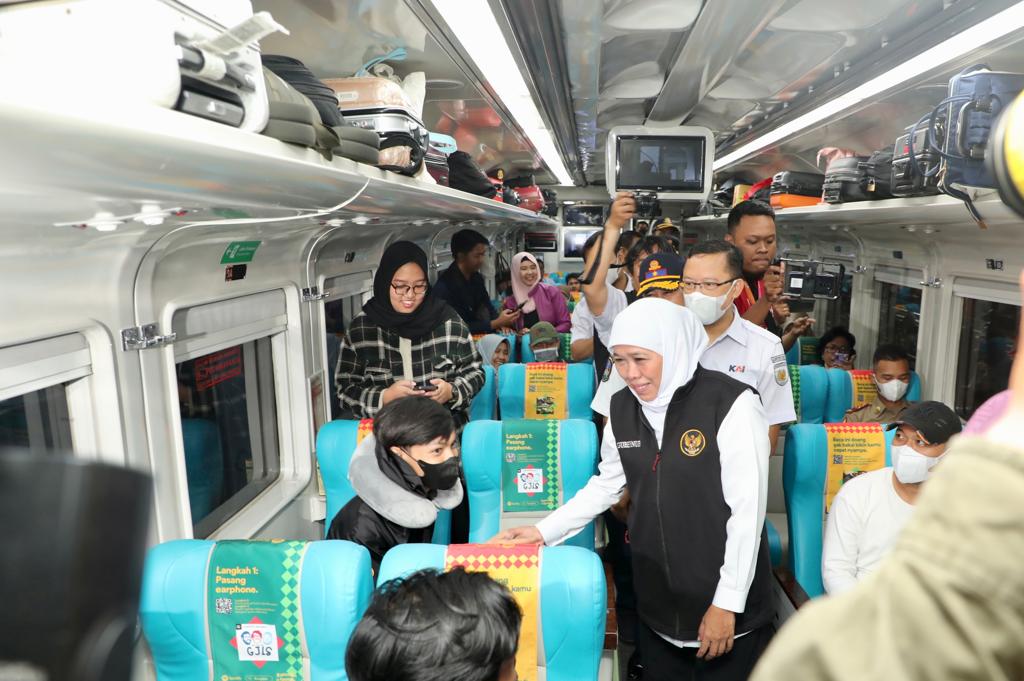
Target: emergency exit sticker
{"points": [[239, 252]]}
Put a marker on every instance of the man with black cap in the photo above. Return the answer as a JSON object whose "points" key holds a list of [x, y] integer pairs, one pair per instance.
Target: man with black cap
{"points": [[870, 510]]}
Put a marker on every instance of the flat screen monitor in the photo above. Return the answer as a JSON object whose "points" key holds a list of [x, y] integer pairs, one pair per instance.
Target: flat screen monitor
{"points": [[583, 214], [573, 239], [674, 163]]}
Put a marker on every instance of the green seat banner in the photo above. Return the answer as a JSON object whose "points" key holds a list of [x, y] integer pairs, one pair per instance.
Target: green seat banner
{"points": [[530, 475], [253, 613]]}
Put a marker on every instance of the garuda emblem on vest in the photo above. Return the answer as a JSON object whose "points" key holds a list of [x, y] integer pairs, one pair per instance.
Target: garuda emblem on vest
{"points": [[692, 442]]}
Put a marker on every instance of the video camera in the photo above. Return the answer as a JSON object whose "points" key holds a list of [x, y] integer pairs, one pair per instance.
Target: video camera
{"points": [[810, 280]]}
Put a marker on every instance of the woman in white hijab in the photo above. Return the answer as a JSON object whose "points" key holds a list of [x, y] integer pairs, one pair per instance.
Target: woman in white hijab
{"points": [[692, 446]]}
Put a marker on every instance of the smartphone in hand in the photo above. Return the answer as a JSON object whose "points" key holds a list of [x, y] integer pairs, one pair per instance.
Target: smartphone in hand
{"points": [[425, 386]]}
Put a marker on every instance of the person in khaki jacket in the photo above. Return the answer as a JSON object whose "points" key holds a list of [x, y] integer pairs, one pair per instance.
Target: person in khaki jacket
{"points": [[891, 367], [948, 603]]}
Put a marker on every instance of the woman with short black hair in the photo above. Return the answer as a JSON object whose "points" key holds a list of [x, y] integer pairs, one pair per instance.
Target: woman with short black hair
{"points": [[437, 626], [837, 348], [402, 475]]}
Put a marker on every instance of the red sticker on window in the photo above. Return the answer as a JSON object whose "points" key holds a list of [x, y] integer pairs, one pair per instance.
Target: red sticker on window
{"points": [[218, 367]]}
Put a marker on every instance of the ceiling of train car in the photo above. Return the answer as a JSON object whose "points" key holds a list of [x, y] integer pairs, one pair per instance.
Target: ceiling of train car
{"points": [[335, 38]]}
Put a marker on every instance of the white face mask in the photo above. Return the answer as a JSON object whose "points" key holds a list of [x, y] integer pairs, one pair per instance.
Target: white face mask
{"points": [[708, 310], [613, 275], [546, 354], [910, 466], [893, 390]]}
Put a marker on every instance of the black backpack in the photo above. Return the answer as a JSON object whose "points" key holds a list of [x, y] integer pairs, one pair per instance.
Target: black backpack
{"points": [[465, 174]]}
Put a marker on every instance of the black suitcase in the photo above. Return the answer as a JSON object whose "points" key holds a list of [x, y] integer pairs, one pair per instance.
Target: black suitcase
{"points": [[801, 184], [842, 181], [465, 174], [550, 202], [917, 173], [876, 175]]}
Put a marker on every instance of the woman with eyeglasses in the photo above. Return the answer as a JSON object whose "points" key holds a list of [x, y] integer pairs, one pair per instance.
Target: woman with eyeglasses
{"points": [[406, 343], [836, 349]]}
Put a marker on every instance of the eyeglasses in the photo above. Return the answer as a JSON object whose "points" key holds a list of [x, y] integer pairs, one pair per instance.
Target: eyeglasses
{"points": [[837, 348], [704, 286], [403, 289]]}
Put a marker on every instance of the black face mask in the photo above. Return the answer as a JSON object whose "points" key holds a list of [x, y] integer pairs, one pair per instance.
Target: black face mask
{"points": [[440, 476]]}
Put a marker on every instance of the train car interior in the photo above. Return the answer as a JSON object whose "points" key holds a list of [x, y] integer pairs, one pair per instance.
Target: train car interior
{"points": [[197, 196]]}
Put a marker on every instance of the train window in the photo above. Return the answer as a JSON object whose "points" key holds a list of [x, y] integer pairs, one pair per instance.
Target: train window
{"points": [[837, 312], [987, 347], [37, 420], [229, 430], [900, 317]]}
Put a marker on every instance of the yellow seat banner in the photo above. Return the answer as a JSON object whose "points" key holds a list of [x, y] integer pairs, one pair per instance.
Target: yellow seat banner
{"points": [[864, 389], [853, 448], [547, 393], [364, 428], [518, 569]]}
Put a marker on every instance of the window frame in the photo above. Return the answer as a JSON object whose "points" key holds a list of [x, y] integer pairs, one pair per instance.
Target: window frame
{"points": [[294, 464]]}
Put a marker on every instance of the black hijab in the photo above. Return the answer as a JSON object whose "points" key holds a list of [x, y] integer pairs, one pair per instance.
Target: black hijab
{"points": [[420, 321]]}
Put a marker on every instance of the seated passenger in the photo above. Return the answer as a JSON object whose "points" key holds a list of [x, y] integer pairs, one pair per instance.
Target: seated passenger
{"points": [[494, 350], [437, 626], [545, 343], [402, 475], [404, 336], [836, 349], [871, 509], [572, 281], [538, 301], [891, 366]]}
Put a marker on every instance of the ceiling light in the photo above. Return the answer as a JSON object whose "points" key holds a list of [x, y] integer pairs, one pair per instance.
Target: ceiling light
{"points": [[479, 34], [993, 28]]}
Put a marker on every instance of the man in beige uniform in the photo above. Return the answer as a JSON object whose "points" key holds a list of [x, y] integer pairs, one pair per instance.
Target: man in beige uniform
{"points": [[892, 376], [948, 602]]}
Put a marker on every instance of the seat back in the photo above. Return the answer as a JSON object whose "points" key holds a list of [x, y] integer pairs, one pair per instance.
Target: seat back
{"points": [[496, 458], [336, 442], [810, 392], [815, 458], [804, 351], [482, 406], [204, 465], [513, 389], [849, 389], [189, 618], [573, 598]]}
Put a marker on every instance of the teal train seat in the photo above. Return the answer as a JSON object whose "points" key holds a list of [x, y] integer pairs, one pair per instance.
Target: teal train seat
{"points": [[204, 466], [804, 471], [810, 388], [335, 444], [334, 587], [483, 457], [565, 351], [482, 406], [840, 393], [804, 351], [573, 598], [512, 390]]}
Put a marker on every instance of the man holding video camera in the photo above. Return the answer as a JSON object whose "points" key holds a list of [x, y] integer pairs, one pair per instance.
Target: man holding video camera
{"points": [[751, 226]]}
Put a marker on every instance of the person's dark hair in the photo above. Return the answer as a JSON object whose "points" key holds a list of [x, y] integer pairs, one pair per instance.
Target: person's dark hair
{"points": [[626, 240], [411, 421], [669, 233], [591, 242], [435, 626], [890, 352], [465, 240], [573, 275], [745, 208], [831, 335], [733, 255], [648, 245]]}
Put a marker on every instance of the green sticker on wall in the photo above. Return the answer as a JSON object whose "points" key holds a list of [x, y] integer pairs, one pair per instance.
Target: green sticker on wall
{"points": [[239, 252]]}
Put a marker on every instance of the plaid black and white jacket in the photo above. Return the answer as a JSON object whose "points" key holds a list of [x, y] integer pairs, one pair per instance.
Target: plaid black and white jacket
{"points": [[370, 362]]}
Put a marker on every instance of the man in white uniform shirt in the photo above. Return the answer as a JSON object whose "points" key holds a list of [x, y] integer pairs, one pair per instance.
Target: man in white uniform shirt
{"points": [[870, 511], [711, 281]]}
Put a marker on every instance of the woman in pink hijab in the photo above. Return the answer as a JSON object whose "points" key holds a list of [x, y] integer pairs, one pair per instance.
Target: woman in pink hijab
{"points": [[539, 302]]}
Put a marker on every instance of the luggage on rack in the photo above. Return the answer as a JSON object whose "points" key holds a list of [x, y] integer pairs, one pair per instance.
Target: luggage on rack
{"points": [[531, 198], [917, 173], [842, 180], [759, 191], [550, 202], [381, 105], [876, 175], [510, 196], [464, 174], [791, 189]]}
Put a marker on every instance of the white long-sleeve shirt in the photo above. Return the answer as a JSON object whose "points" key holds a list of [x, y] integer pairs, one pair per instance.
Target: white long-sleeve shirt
{"points": [[866, 517], [743, 454]]}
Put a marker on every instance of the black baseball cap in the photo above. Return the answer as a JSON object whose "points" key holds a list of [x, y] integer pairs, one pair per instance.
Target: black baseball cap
{"points": [[934, 420], [660, 270]]}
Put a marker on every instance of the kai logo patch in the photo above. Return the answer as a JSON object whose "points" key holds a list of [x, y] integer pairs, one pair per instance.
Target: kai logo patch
{"points": [[692, 442]]}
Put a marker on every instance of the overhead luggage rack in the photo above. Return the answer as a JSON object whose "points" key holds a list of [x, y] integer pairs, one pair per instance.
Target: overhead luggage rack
{"points": [[74, 162]]}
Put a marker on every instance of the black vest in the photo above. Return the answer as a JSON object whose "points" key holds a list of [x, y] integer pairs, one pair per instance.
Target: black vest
{"points": [[678, 513]]}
